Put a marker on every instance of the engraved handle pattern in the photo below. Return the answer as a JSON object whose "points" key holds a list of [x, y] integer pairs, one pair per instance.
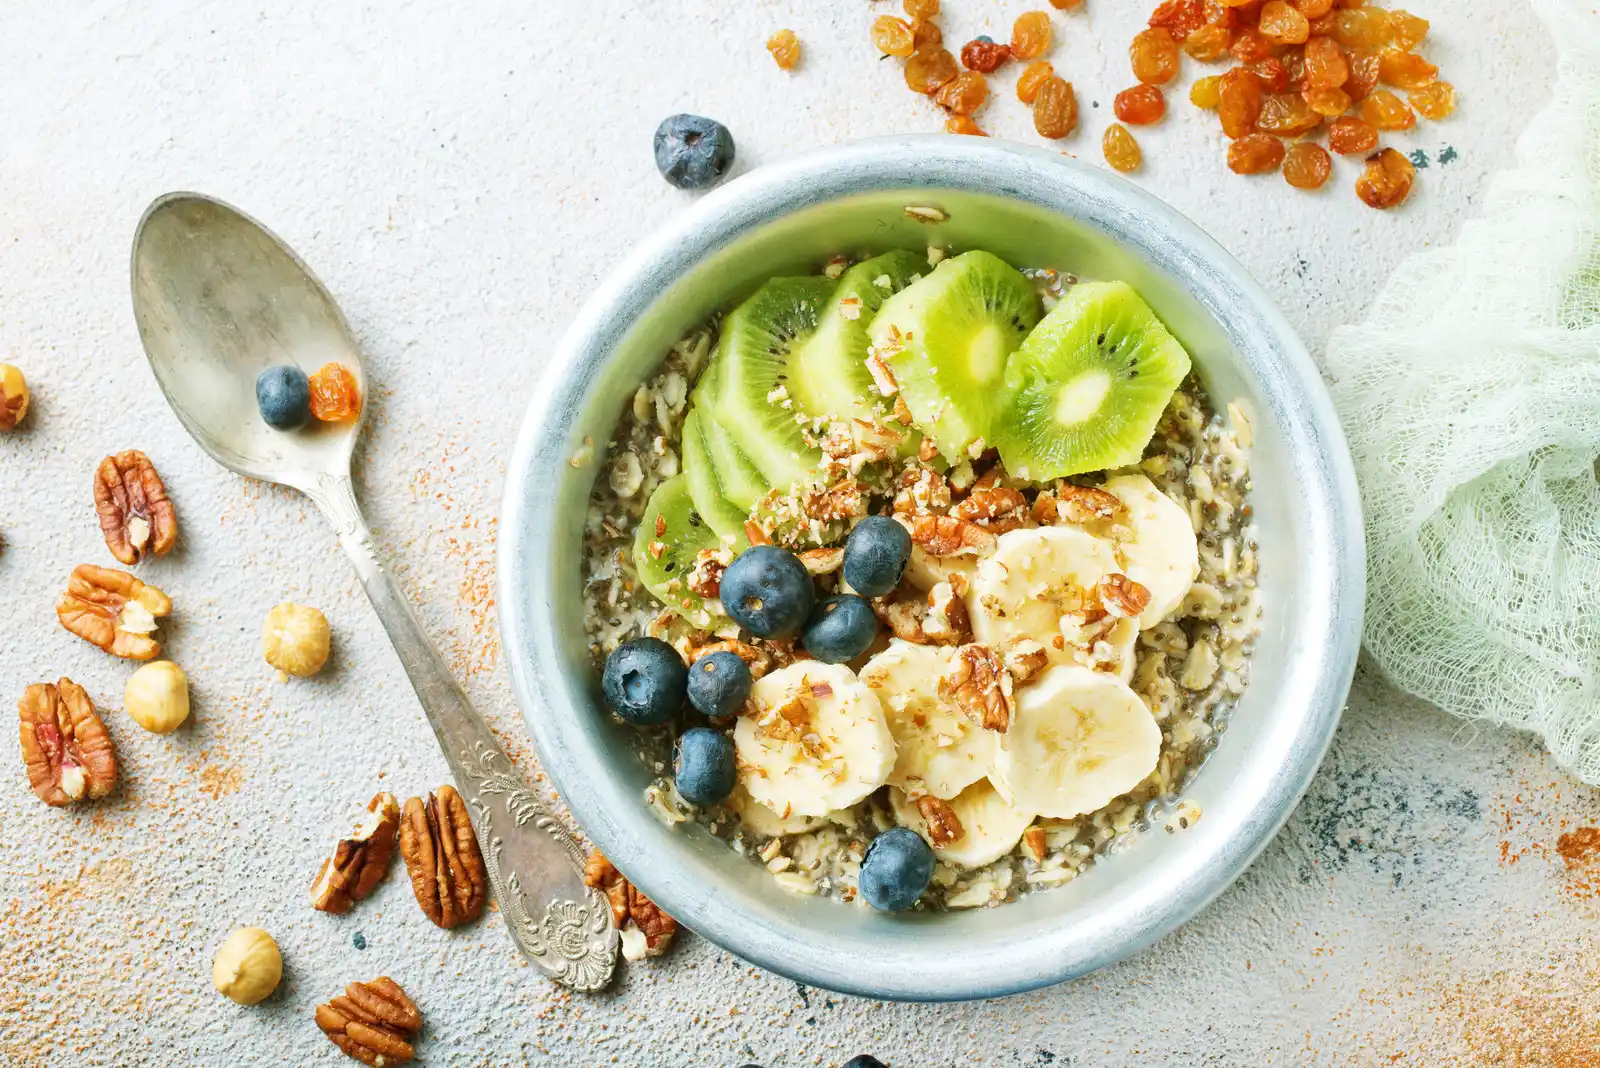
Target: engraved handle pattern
{"points": [[534, 865]]}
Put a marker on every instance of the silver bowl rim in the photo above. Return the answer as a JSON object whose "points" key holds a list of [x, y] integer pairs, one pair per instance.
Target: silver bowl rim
{"points": [[1268, 350]]}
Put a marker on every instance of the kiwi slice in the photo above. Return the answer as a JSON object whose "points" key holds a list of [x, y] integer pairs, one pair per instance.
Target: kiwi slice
{"points": [[1089, 385], [705, 486], [829, 375], [947, 337], [742, 484], [759, 339], [682, 534]]}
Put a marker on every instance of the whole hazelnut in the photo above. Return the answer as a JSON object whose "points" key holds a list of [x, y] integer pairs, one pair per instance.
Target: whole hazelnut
{"points": [[13, 396], [295, 639], [247, 966], [157, 697]]}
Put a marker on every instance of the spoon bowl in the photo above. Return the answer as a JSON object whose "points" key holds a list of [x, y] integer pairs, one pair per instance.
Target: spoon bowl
{"points": [[219, 300]]}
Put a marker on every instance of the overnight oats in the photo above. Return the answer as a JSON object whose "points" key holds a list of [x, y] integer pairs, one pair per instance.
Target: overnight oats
{"points": [[926, 579]]}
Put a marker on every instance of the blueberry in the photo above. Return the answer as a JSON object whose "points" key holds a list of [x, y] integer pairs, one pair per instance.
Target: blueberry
{"points": [[896, 870], [284, 396], [693, 152], [645, 680], [719, 684], [865, 1060], [768, 592], [840, 629], [875, 555], [704, 766]]}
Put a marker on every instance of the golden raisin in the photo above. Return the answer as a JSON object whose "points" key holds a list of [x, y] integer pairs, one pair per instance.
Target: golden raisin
{"points": [[1350, 135], [1325, 64], [1363, 75], [983, 55], [1329, 103], [1405, 69], [1032, 76], [1387, 112], [1282, 24], [1255, 154], [1141, 105], [1406, 30], [1239, 102], [963, 124], [1307, 165], [1250, 46], [1360, 27], [927, 71], [1434, 101], [891, 36], [1271, 72], [921, 9], [1179, 17], [1287, 115], [785, 49], [1154, 55], [1313, 9], [1209, 43], [1324, 25], [1065, 5], [1055, 108], [1387, 179], [1206, 92], [964, 93], [926, 35], [335, 397], [1030, 36], [1120, 149]]}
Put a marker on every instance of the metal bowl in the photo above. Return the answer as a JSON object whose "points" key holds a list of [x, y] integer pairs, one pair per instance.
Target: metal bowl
{"points": [[1030, 207]]}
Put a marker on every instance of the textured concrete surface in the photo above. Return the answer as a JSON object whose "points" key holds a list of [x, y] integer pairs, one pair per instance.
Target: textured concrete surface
{"points": [[460, 175]]}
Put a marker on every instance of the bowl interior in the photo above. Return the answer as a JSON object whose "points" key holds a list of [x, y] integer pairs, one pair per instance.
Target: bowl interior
{"points": [[1032, 210]]}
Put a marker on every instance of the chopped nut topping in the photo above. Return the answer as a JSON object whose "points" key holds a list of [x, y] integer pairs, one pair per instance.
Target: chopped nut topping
{"points": [[903, 617], [758, 661], [979, 685], [946, 621], [113, 610], [943, 535], [843, 500], [705, 578], [878, 367], [995, 508], [902, 413], [1033, 840], [1122, 597], [1095, 510], [921, 489], [136, 517], [927, 450], [850, 307], [65, 747], [944, 826], [360, 859], [822, 561], [631, 910], [755, 534]]}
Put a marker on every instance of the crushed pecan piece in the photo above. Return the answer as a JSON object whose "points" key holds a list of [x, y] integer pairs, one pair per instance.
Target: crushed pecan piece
{"points": [[921, 489], [845, 499], [360, 859], [1024, 659], [757, 660], [903, 416], [113, 610], [375, 1022], [755, 533], [441, 853], [65, 747], [944, 826], [822, 561], [705, 578], [946, 621], [1095, 510], [995, 508], [1046, 509], [943, 535], [1122, 597], [927, 450], [1034, 842], [646, 930], [903, 616], [136, 516], [878, 368], [978, 684]]}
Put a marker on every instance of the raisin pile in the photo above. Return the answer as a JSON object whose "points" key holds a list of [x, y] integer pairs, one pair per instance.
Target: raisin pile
{"points": [[1300, 68]]}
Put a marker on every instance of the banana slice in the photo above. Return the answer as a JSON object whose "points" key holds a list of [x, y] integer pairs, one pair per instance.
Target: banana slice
{"points": [[924, 571], [1163, 556], [1078, 738], [760, 820], [1033, 578], [938, 750], [990, 825], [818, 740]]}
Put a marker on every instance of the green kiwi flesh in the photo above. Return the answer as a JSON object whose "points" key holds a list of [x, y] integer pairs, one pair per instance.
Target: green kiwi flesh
{"points": [[705, 488], [683, 533], [1089, 385]]}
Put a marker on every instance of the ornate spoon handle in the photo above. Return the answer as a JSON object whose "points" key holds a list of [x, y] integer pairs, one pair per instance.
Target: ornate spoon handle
{"points": [[534, 865]]}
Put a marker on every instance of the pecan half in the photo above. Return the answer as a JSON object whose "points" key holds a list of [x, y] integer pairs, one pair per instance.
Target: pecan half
{"points": [[995, 508], [65, 747], [944, 826], [360, 859], [943, 535], [113, 610], [373, 1022], [441, 853], [978, 684], [136, 516], [1122, 597], [646, 930], [1025, 659]]}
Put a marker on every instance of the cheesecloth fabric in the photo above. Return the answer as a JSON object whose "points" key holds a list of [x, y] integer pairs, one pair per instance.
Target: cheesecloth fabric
{"points": [[1471, 395]]}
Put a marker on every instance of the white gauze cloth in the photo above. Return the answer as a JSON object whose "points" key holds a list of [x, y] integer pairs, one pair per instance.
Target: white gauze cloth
{"points": [[1471, 396]]}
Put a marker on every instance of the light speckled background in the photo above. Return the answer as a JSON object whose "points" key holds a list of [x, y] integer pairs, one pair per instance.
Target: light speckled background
{"points": [[460, 175]]}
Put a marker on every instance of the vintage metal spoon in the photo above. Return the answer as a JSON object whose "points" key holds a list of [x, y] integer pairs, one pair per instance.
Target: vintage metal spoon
{"points": [[218, 300]]}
